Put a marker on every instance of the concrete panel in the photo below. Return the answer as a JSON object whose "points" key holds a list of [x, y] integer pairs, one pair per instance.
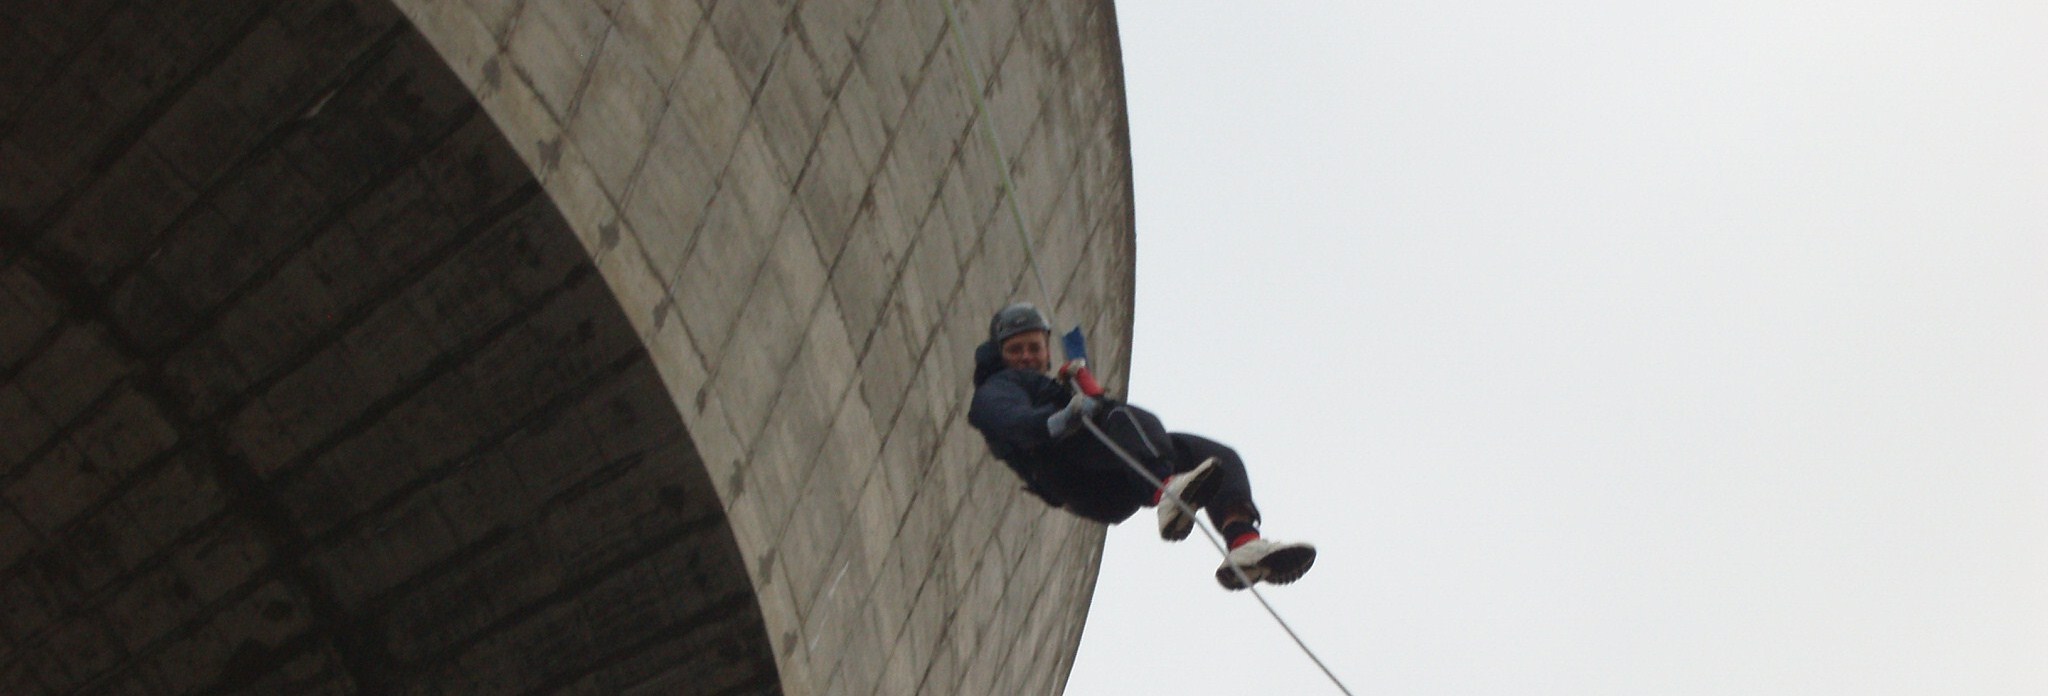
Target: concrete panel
{"points": [[610, 346]]}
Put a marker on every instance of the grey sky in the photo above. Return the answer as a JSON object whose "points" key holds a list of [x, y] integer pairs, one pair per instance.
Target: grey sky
{"points": [[1602, 348]]}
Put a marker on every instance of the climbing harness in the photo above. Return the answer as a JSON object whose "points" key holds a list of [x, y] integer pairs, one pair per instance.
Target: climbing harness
{"points": [[972, 76]]}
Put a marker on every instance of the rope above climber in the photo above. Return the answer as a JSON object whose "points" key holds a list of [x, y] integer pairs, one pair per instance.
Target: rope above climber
{"points": [[1033, 419]]}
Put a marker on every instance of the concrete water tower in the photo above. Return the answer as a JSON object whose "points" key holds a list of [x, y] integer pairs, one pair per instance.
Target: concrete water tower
{"points": [[555, 346]]}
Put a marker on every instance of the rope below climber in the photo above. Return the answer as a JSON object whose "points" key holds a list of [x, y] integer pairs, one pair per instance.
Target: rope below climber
{"points": [[1032, 418]]}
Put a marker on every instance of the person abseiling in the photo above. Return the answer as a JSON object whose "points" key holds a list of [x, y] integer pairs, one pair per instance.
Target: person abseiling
{"points": [[1031, 420]]}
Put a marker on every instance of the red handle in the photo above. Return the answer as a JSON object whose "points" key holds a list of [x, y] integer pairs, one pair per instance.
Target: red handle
{"points": [[1086, 382]]}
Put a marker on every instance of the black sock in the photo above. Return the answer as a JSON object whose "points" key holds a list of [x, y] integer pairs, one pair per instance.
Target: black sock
{"points": [[1238, 528]]}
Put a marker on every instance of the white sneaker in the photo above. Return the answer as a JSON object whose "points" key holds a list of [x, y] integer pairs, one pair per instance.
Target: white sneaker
{"points": [[1263, 560], [1188, 487]]}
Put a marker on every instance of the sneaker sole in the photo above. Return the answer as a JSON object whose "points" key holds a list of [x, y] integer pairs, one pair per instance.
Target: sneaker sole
{"points": [[1181, 523], [1202, 486], [1279, 568], [1288, 564], [1178, 527], [1229, 579]]}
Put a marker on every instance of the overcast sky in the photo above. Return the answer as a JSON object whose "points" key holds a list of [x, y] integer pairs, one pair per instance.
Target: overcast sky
{"points": [[1601, 347]]}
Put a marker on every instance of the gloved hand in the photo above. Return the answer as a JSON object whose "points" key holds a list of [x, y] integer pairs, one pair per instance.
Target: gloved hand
{"points": [[1068, 370], [1075, 372], [1063, 422]]}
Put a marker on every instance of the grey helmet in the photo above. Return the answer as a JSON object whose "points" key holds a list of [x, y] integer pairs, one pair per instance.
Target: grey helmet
{"points": [[1015, 319]]}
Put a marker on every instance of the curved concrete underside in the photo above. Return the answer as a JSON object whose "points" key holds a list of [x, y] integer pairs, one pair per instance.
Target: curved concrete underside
{"points": [[310, 388], [536, 347]]}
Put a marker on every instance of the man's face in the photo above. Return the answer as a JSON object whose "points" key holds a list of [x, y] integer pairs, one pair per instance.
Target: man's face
{"points": [[1027, 351]]}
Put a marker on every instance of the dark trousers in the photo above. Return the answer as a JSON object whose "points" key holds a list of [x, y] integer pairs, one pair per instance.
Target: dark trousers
{"points": [[1093, 481]]}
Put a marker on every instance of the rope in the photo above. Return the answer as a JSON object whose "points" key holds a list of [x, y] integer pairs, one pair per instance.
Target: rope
{"points": [[970, 73], [1215, 540]]}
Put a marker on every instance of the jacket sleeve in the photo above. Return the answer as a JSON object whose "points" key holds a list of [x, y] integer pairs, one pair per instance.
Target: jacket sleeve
{"points": [[1002, 411]]}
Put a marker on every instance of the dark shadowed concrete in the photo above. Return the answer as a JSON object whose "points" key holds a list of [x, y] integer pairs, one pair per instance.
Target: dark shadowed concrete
{"points": [[309, 387]]}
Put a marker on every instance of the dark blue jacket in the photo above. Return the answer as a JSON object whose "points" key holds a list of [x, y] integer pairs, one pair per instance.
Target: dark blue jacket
{"points": [[1010, 408]]}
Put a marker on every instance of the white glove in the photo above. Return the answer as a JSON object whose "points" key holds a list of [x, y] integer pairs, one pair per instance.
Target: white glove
{"points": [[1063, 422], [1066, 371]]}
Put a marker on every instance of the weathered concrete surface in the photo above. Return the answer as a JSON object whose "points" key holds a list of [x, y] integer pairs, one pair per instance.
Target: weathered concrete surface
{"points": [[580, 346]]}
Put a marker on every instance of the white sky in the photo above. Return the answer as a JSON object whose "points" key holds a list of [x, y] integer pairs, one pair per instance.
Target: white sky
{"points": [[1601, 347]]}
